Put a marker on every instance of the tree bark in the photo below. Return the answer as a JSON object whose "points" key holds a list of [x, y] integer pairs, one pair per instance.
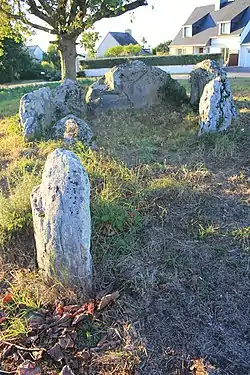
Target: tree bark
{"points": [[67, 49]]}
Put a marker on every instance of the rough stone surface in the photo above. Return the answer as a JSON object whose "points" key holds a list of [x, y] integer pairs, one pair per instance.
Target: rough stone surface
{"points": [[40, 109], [69, 98], [217, 109], [133, 84], [72, 128], [62, 223], [202, 74], [36, 112]]}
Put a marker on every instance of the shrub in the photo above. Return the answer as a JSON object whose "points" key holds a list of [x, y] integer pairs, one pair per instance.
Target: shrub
{"points": [[151, 60], [129, 50]]}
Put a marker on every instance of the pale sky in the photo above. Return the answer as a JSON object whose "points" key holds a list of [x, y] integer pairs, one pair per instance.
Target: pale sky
{"points": [[157, 25]]}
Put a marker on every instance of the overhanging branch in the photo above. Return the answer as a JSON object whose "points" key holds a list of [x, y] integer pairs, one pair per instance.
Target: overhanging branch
{"points": [[18, 17]]}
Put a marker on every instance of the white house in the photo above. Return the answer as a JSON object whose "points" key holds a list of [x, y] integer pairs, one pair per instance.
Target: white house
{"points": [[36, 52], [223, 27], [113, 39]]}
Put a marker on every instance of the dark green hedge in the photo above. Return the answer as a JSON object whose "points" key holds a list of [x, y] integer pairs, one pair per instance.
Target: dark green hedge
{"points": [[151, 60]]}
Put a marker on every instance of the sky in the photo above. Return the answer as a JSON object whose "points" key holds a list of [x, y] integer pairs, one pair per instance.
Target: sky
{"points": [[156, 25]]}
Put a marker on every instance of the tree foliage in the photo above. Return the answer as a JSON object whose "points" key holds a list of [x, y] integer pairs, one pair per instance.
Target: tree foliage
{"points": [[52, 57], [88, 41], [129, 50], [67, 19], [163, 48], [16, 62]]}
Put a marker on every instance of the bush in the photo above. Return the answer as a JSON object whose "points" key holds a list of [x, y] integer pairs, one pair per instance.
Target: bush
{"points": [[16, 63], [129, 50], [50, 73], [151, 60], [81, 74]]}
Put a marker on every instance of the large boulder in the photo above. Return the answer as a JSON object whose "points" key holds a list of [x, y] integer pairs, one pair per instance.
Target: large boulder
{"points": [[133, 84], [40, 109], [72, 129], [217, 109], [62, 223], [69, 98], [202, 74], [36, 112]]}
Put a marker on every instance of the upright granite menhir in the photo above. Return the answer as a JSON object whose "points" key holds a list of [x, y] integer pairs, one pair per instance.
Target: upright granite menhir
{"points": [[62, 222]]}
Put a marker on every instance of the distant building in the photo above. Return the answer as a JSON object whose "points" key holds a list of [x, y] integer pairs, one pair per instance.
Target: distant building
{"points": [[113, 39], [36, 52], [223, 27]]}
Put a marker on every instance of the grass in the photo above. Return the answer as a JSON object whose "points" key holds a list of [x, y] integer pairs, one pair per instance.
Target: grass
{"points": [[170, 218]]}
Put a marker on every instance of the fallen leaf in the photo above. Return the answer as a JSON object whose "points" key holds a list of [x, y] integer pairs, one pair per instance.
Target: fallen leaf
{"points": [[56, 353], [8, 298], [106, 300], [37, 355], [66, 371], [91, 308], [66, 341], [28, 368], [71, 308], [59, 309], [199, 367], [79, 318]]}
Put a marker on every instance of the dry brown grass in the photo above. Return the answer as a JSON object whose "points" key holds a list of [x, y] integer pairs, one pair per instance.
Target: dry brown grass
{"points": [[170, 231]]}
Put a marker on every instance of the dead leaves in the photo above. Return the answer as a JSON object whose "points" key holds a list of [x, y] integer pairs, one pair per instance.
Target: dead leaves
{"points": [[28, 368], [53, 337]]}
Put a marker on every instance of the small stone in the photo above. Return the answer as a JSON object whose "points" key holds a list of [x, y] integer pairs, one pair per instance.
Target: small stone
{"points": [[72, 128]]}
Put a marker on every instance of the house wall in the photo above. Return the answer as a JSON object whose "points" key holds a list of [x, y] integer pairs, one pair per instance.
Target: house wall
{"points": [[38, 54], [172, 69], [233, 43], [107, 43], [244, 58], [189, 50]]}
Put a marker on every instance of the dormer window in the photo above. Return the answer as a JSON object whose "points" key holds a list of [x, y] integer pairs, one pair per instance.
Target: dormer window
{"points": [[187, 32], [225, 28]]}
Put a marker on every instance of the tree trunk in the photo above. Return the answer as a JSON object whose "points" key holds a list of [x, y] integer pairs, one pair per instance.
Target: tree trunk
{"points": [[67, 49]]}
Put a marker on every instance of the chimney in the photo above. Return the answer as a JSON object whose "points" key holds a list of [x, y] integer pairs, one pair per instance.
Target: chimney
{"points": [[221, 3], [129, 31]]}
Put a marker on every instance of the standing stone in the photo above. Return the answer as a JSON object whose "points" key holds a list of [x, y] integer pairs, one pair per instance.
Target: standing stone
{"points": [[62, 222], [72, 128], [202, 74], [69, 98], [36, 112], [217, 109], [133, 84]]}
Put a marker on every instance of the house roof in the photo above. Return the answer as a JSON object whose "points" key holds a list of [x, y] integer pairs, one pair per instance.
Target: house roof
{"points": [[123, 39], [199, 13], [226, 13], [33, 48], [247, 39]]}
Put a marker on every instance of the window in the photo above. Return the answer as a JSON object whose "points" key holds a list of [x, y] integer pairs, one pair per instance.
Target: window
{"points": [[225, 28], [179, 52], [187, 31], [201, 50]]}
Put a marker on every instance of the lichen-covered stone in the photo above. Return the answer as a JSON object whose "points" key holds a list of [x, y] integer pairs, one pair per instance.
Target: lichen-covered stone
{"points": [[72, 128], [36, 112], [202, 74], [217, 109], [133, 84], [40, 109], [62, 223], [69, 98]]}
